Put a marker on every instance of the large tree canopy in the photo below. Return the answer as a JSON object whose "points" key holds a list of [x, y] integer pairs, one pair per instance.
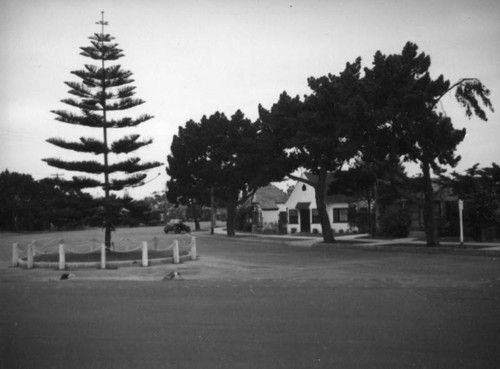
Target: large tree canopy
{"points": [[103, 90], [229, 156], [320, 133], [406, 124]]}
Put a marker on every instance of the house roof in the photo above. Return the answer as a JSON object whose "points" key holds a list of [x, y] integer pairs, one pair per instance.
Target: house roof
{"points": [[302, 205], [268, 197], [333, 198]]}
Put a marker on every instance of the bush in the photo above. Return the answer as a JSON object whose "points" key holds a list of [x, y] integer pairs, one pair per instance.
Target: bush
{"points": [[270, 228], [395, 223]]}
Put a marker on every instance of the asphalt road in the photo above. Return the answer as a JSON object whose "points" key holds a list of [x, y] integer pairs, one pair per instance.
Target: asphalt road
{"points": [[264, 304]]}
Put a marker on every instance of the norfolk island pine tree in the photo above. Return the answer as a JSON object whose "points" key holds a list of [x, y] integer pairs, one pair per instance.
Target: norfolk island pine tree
{"points": [[103, 89]]}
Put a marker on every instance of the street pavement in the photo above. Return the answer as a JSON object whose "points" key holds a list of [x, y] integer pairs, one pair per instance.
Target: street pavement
{"points": [[258, 303]]}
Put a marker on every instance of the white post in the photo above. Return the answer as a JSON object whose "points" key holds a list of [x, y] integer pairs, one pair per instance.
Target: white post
{"points": [[145, 254], [460, 210], [62, 257], [31, 252], [103, 256], [15, 254], [193, 248], [176, 252]]}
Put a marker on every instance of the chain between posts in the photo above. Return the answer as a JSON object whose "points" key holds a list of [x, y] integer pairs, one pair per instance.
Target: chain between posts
{"points": [[63, 250]]}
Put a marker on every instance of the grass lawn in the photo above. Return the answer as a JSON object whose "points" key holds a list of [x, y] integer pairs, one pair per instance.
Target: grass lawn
{"points": [[112, 256]]}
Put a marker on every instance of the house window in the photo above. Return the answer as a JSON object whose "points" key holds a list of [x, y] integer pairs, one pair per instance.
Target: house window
{"points": [[304, 187], [315, 216], [340, 215], [293, 216]]}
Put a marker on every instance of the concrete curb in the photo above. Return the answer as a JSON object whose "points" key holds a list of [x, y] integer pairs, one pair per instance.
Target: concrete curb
{"points": [[416, 248]]}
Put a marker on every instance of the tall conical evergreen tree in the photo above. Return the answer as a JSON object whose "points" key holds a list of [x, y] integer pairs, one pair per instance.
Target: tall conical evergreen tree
{"points": [[103, 89]]}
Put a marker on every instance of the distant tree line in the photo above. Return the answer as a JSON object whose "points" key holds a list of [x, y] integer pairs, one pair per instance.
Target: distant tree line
{"points": [[49, 203]]}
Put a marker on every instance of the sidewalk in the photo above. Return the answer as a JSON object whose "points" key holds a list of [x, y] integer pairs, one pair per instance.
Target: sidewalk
{"points": [[408, 244], [414, 245]]}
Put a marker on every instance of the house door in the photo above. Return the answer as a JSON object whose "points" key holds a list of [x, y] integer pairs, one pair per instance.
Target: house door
{"points": [[305, 221]]}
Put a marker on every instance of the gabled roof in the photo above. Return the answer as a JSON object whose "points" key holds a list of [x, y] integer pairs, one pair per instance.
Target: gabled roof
{"points": [[268, 197], [336, 198]]}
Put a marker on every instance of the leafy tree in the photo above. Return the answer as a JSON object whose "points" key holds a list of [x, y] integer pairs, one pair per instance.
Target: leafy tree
{"points": [[34, 205], [187, 168], [321, 132], [228, 155], [138, 212], [158, 205], [479, 188], [104, 89], [62, 206], [407, 124], [19, 198]]}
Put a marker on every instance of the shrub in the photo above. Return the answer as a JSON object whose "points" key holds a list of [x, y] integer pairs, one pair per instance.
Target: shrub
{"points": [[270, 228], [395, 223]]}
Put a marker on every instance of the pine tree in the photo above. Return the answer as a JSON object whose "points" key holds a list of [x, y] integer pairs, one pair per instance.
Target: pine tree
{"points": [[103, 89]]}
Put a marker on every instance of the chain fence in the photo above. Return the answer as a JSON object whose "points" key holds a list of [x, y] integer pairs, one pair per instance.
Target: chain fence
{"points": [[41, 250]]}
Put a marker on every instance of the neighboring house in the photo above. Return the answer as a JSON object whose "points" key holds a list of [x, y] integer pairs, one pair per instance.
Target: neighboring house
{"points": [[268, 209], [302, 212], [445, 210]]}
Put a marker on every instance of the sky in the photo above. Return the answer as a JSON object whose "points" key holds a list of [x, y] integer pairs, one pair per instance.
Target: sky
{"points": [[192, 58]]}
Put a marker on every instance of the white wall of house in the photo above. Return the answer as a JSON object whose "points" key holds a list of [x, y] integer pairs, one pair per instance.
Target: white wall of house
{"points": [[300, 220], [270, 217]]}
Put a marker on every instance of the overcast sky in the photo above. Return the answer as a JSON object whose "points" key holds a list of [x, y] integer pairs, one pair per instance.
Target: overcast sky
{"points": [[192, 58]]}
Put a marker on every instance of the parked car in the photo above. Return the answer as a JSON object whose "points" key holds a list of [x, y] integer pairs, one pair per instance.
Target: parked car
{"points": [[176, 226]]}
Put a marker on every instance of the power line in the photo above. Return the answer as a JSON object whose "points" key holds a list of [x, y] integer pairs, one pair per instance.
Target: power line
{"points": [[152, 179]]}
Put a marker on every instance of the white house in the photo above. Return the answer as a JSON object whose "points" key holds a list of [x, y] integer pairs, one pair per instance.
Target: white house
{"points": [[302, 212]]}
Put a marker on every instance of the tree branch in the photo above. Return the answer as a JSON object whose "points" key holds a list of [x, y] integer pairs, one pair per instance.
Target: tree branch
{"points": [[460, 82], [303, 180]]}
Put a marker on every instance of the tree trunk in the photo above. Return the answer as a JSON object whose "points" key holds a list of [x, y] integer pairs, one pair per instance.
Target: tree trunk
{"points": [[107, 236], [231, 213], [320, 195], [431, 233], [107, 222], [370, 221], [195, 215], [376, 209], [212, 210]]}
